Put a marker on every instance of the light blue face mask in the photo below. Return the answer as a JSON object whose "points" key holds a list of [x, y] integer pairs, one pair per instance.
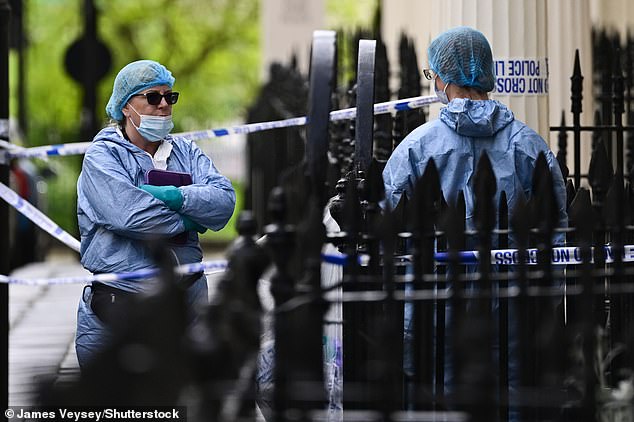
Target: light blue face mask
{"points": [[442, 95], [153, 128]]}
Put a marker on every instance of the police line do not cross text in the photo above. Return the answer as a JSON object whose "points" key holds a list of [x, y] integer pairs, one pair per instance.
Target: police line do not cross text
{"points": [[521, 76]]}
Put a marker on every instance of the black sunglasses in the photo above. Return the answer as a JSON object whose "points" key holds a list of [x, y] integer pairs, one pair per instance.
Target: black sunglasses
{"points": [[154, 98]]}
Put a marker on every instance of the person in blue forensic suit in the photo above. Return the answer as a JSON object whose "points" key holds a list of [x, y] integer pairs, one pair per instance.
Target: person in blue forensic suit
{"points": [[118, 212], [461, 70]]}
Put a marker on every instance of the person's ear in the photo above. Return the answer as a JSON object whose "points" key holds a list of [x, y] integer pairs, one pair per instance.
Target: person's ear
{"points": [[126, 111]]}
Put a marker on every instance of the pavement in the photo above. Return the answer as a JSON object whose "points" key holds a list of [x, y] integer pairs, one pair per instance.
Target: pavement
{"points": [[42, 322]]}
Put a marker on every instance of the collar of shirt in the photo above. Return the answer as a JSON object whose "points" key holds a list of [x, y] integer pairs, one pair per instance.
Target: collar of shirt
{"points": [[162, 153]]}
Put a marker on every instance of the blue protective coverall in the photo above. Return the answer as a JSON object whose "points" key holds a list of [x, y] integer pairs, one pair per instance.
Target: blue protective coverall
{"points": [[116, 217], [456, 140]]}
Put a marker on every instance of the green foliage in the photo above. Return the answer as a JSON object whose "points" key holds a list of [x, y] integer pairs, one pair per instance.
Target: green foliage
{"points": [[53, 98], [348, 18], [211, 47], [350, 14], [61, 198]]}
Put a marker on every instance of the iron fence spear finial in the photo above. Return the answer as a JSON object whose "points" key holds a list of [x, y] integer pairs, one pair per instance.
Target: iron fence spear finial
{"points": [[576, 97]]}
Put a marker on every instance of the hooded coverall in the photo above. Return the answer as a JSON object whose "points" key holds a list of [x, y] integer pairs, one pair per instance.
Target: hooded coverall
{"points": [[116, 218]]}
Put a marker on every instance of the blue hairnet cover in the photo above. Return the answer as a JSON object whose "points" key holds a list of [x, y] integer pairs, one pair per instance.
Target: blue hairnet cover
{"points": [[462, 56], [134, 78]]}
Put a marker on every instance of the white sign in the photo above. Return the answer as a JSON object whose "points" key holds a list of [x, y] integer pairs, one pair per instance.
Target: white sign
{"points": [[521, 76]]}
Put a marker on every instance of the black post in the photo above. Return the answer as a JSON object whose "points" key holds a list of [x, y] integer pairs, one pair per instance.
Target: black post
{"points": [[618, 103], [18, 42], [88, 121], [562, 143], [365, 105], [5, 12], [322, 79], [87, 60], [383, 123], [521, 228], [281, 244], [582, 214], [576, 95], [478, 376], [544, 316], [503, 317], [423, 228]]}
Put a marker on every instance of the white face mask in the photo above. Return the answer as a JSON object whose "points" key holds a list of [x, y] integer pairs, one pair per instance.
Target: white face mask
{"points": [[153, 128], [442, 95]]}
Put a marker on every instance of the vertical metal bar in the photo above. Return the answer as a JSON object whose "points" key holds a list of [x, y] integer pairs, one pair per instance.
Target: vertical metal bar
{"points": [[581, 213], [5, 14], [455, 221], [606, 97], [281, 244], [618, 101], [441, 329], [361, 318], [628, 238], [521, 227], [600, 177], [322, 79], [374, 193], [383, 123], [629, 81], [546, 215], [355, 350], [615, 228], [365, 105], [19, 43], [391, 337], [308, 319], [375, 313], [426, 194], [576, 96], [88, 126], [562, 144], [410, 86], [482, 386], [629, 169], [503, 314]]}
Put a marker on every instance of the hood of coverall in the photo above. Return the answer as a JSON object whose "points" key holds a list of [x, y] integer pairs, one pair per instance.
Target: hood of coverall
{"points": [[482, 118]]}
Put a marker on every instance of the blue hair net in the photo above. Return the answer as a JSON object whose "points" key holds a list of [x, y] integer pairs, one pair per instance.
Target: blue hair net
{"points": [[134, 78], [462, 56]]}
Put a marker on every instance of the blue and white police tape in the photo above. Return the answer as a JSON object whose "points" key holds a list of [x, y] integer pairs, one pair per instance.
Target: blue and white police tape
{"points": [[7, 148], [344, 114], [568, 255], [37, 217], [208, 267], [560, 256], [78, 148]]}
